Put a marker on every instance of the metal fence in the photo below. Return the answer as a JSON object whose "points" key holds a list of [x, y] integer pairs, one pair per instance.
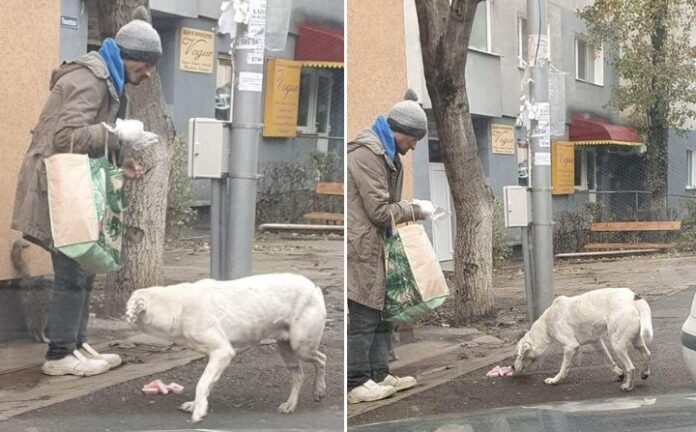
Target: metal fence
{"points": [[286, 190], [572, 226]]}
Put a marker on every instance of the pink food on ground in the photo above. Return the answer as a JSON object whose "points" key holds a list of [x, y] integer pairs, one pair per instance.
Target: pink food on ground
{"points": [[175, 388], [500, 371]]}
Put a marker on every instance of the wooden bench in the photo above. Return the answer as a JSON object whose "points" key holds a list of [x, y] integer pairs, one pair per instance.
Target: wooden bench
{"points": [[599, 227], [329, 189]]}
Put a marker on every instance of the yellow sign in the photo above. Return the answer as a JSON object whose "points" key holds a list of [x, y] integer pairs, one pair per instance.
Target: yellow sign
{"points": [[197, 50], [563, 167], [503, 139], [282, 98]]}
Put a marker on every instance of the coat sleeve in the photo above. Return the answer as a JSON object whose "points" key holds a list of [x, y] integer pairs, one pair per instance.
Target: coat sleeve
{"points": [[83, 97], [371, 178]]}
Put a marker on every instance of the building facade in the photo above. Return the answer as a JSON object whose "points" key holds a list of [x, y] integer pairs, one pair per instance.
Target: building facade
{"points": [[597, 157]]}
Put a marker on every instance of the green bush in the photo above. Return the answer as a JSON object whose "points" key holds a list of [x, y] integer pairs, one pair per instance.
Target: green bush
{"points": [[687, 237]]}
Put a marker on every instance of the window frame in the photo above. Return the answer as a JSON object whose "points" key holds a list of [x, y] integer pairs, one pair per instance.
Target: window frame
{"points": [[584, 168], [225, 58], [310, 128], [690, 170], [488, 30], [597, 58]]}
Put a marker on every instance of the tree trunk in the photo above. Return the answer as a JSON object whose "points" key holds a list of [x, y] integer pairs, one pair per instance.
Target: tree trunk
{"points": [[142, 258], [658, 115], [444, 34]]}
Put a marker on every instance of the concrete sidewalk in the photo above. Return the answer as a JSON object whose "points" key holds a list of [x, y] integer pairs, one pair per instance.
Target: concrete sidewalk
{"points": [[437, 356]]}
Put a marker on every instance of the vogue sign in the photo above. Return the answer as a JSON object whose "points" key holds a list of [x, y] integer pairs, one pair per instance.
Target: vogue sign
{"points": [[197, 48]]}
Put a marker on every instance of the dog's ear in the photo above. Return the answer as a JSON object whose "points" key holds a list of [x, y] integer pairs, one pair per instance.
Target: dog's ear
{"points": [[136, 306], [523, 347]]}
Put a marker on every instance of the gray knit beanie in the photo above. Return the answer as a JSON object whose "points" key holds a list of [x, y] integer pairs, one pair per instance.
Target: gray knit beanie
{"points": [[138, 40], [408, 117]]}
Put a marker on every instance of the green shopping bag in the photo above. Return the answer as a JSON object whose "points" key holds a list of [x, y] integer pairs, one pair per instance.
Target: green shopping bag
{"points": [[86, 202], [414, 282]]}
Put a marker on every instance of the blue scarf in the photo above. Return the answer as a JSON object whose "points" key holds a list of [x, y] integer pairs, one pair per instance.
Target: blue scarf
{"points": [[111, 54], [385, 135]]}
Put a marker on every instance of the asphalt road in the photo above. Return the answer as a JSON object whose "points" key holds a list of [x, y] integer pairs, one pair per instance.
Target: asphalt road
{"points": [[246, 397], [591, 380]]}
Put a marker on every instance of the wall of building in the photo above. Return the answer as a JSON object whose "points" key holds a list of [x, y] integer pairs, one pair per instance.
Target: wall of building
{"points": [[24, 74], [677, 171], [73, 42]]}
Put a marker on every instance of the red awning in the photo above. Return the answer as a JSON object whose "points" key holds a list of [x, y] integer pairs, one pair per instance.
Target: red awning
{"points": [[585, 130], [319, 44]]}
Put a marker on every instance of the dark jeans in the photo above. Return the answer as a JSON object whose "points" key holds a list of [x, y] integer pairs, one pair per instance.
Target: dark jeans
{"points": [[69, 311], [369, 338]]}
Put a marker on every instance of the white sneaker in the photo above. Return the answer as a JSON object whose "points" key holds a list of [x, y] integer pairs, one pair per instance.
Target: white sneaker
{"points": [[75, 364], [112, 359], [403, 383], [370, 391]]}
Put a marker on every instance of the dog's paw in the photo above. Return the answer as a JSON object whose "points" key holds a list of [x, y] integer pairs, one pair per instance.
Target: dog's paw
{"points": [[645, 374], [199, 411], [287, 407], [627, 387], [187, 406], [551, 381], [319, 394]]}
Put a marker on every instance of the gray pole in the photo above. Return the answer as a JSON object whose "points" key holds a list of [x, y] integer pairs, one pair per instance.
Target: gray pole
{"points": [[216, 228], [540, 140], [243, 164]]}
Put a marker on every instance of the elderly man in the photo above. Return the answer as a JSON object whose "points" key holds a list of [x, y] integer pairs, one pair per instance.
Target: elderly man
{"points": [[87, 97], [375, 180]]}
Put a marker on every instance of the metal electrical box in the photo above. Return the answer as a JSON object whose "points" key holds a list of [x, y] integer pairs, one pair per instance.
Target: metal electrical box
{"points": [[516, 206], [208, 148]]}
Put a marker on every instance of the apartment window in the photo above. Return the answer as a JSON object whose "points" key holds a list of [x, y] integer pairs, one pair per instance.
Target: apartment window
{"points": [[223, 88], [585, 169], [481, 30], [589, 62], [313, 113], [690, 166], [522, 42]]}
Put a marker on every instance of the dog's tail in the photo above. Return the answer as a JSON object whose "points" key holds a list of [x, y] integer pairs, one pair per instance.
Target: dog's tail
{"points": [[645, 319], [135, 307]]}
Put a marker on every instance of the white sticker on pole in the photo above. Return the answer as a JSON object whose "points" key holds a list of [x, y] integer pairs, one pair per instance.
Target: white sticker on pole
{"points": [[538, 48], [257, 22], [250, 81], [544, 124], [255, 57], [542, 158], [253, 38]]}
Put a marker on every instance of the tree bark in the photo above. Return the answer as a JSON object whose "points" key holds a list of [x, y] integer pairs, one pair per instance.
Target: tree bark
{"points": [[142, 258], [658, 118], [444, 32]]}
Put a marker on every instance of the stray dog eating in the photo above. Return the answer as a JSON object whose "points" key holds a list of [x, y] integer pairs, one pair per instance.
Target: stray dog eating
{"points": [[217, 318], [617, 315]]}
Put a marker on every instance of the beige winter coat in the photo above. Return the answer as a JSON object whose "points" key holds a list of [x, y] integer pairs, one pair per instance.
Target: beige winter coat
{"points": [[82, 96], [374, 191]]}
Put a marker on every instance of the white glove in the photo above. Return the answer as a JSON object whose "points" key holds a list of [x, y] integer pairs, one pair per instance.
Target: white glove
{"points": [[424, 209], [129, 131]]}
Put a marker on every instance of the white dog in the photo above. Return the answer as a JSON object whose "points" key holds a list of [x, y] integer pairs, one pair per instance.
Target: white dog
{"points": [[617, 314], [217, 318]]}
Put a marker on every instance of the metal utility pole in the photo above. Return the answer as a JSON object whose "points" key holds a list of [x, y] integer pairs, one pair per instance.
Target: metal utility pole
{"points": [[240, 210], [540, 141]]}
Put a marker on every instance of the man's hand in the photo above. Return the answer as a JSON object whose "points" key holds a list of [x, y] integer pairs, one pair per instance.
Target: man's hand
{"points": [[424, 209], [129, 131], [132, 169]]}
